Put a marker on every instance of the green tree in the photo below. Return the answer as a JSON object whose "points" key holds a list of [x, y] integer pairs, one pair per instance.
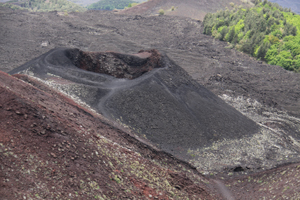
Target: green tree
{"points": [[256, 2], [263, 50], [265, 2], [294, 31], [231, 34], [110, 4], [266, 31], [223, 33]]}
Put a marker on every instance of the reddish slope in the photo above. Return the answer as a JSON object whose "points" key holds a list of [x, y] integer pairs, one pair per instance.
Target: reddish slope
{"points": [[50, 147], [195, 9]]}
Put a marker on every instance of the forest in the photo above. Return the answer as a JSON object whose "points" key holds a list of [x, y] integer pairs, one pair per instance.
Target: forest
{"points": [[111, 4], [58, 5], [67, 6], [45, 6], [266, 31]]}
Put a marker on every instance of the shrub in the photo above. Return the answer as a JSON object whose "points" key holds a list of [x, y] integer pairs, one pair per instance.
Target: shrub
{"points": [[273, 39], [296, 51], [161, 12]]}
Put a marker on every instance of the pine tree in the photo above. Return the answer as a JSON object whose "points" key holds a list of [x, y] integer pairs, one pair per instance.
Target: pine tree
{"points": [[294, 31], [231, 34], [223, 33]]}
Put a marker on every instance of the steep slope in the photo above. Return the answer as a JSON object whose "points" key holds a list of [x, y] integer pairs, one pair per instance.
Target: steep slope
{"points": [[267, 31], [189, 8], [51, 147], [269, 95], [164, 106], [161, 103]]}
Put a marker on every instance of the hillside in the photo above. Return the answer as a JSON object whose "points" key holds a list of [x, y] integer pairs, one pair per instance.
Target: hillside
{"points": [[226, 167], [178, 132], [52, 147], [85, 3], [294, 5], [266, 31], [192, 8]]}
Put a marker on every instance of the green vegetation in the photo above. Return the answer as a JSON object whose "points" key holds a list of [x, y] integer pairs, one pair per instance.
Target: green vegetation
{"points": [[132, 5], [161, 12], [111, 4], [12, 6], [45, 5], [265, 31]]}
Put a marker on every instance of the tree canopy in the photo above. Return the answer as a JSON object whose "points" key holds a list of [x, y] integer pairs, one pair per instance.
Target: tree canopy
{"points": [[265, 31], [110, 4], [45, 5]]}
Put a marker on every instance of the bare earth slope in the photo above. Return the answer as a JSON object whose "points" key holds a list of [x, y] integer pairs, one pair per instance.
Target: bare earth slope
{"points": [[51, 147], [266, 94], [195, 9], [164, 105]]}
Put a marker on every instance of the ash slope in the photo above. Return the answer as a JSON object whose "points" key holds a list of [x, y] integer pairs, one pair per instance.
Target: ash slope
{"points": [[164, 105], [51, 147], [167, 109]]}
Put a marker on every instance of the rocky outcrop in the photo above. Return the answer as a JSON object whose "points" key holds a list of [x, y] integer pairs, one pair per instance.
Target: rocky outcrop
{"points": [[116, 64]]}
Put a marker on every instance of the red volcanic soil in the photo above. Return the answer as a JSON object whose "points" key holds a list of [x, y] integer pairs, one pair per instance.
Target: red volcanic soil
{"points": [[51, 147], [195, 9]]}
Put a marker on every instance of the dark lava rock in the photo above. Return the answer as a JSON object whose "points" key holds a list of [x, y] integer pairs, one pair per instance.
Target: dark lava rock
{"points": [[116, 64], [146, 92]]}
